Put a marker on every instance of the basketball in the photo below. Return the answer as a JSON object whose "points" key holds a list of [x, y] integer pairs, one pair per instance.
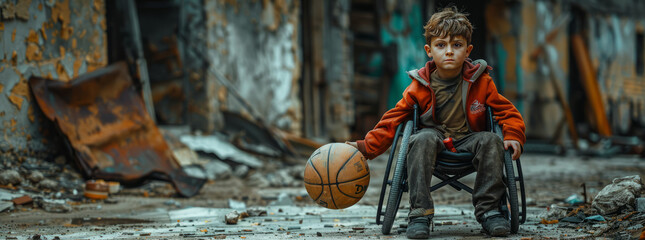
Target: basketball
{"points": [[336, 176]]}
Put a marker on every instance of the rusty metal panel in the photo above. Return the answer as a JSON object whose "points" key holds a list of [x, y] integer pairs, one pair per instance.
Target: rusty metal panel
{"points": [[108, 131]]}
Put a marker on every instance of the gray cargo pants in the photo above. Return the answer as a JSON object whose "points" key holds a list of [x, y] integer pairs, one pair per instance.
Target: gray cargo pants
{"points": [[488, 161]]}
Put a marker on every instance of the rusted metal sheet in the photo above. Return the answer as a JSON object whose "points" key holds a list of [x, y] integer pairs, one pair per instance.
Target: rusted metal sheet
{"points": [[108, 131]]}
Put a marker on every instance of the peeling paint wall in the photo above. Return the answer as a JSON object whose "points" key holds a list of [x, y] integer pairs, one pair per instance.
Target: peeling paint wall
{"points": [[254, 45], [57, 39]]}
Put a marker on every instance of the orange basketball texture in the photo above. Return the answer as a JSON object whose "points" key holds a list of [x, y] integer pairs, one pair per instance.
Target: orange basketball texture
{"points": [[336, 176]]}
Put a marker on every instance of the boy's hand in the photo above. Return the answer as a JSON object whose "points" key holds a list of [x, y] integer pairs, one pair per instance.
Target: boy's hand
{"points": [[353, 144], [515, 145]]}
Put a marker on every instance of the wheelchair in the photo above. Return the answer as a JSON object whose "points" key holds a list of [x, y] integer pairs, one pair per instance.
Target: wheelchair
{"points": [[449, 168]]}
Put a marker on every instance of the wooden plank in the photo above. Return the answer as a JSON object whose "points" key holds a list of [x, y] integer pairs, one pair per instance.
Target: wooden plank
{"points": [[590, 85]]}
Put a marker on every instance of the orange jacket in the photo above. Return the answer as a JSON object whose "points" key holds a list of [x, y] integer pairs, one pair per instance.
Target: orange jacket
{"points": [[477, 94]]}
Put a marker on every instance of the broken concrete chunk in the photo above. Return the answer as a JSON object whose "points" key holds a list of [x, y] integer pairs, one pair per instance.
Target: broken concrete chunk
{"points": [[640, 204], [241, 171], [256, 211], [48, 184], [221, 148], [36, 176], [216, 169], [49, 205], [5, 205], [232, 217], [10, 177], [554, 212], [621, 193]]}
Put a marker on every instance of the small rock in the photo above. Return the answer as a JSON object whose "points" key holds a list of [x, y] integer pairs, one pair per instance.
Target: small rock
{"points": [[48, 184], [256, 211], [241, 171], [318, 234], [10, 177], [58, 206], [640, 204], [216, 169], [232, 217], [36, 176]]}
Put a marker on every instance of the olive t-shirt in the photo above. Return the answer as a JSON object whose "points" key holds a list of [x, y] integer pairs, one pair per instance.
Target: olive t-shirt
{"points": [[450, 112]]}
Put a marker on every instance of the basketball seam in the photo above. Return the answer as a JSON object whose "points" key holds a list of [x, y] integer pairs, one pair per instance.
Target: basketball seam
{"points": [[328, 179], [321, 180], [341, 191], [325, 184], [344, 164]]}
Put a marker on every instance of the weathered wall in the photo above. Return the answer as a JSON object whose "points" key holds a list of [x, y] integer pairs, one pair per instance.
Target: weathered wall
{"points": [[59, 39], [612, 47], [542, 111], [254, 45], [339, 64]]}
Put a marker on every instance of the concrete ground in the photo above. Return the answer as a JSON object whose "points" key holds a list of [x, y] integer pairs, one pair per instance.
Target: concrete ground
{"points": [[549, 179]]}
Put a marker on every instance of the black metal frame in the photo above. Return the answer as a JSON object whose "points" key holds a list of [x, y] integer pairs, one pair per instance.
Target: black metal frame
{"points": [[451, 171]]}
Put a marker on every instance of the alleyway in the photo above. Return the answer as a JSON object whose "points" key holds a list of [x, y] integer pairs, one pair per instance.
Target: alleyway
{"points": [[290, 213]]}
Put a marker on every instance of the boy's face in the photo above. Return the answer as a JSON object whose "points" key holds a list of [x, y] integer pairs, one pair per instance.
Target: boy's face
{"points": [[448, 53]]}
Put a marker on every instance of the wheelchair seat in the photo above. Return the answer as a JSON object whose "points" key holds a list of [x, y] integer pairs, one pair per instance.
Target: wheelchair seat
{"points": [[450, 167]]}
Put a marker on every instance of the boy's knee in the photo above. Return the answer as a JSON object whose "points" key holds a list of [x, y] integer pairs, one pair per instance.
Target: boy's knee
{"points": [[491, 140], [426, 138]]}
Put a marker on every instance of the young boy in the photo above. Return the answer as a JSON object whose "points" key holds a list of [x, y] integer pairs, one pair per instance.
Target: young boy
{"points": [[452, 95]]}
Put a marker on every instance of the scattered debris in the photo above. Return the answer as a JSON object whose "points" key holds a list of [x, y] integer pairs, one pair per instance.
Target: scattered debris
{"points": [[48, 184], [256, 211], [216, 169], [22, 200], [98, 189], [232, 217], [640, 204], [620, 194], [221, 149], [5, 205], [50, 205], [10, 177], [36, 176]]}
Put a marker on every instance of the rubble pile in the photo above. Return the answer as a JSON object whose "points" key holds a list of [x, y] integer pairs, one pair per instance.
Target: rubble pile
{"points": [[617, 211], [45, 184]]}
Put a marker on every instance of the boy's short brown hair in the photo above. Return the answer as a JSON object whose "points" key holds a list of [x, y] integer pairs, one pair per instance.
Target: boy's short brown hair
{"points": [[448, 22]]}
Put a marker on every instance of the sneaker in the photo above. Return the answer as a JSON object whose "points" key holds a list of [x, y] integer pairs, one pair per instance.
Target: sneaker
{"points": [[496, 225], [418, 228]]}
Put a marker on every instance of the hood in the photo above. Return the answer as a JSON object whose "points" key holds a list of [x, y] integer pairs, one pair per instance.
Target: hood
{"points": [[470, 72]]}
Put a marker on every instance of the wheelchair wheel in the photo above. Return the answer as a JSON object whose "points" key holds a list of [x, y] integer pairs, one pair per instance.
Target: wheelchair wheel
{"points": [[397, 184], [511, 194]]}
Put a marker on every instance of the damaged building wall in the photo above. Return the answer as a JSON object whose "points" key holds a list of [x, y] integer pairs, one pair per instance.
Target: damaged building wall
{"points": [[58, 39], [252, 51], [614, 41], [338, 71], [539, 40], [163, 50]]}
